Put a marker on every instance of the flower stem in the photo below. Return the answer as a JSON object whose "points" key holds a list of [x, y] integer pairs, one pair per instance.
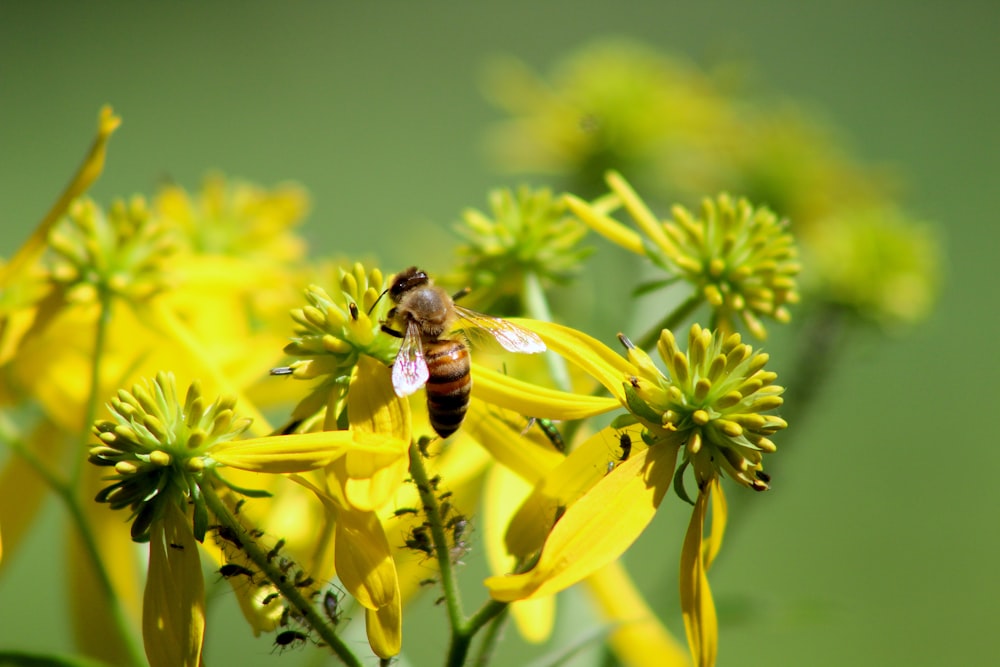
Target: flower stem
{"points": [[93, 395], [670, 321], [442, 550], [67, 495], [270, 568], [462, 630], [496, 624], [537, 306]]}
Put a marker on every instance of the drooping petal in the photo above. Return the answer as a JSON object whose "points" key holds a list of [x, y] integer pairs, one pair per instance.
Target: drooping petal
{"points": [[697, 605], [563, 485], [22, 490], [504, 492], [638, 638], [363, 559], [529, 460], [385, 628], [374, 409], [92, 613], [88, 172], [173, 616], [597, 529]]}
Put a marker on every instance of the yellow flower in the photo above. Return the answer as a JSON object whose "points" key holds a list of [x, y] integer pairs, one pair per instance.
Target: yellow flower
{"points": [[589, 508], [526, 236], [739, 260]]}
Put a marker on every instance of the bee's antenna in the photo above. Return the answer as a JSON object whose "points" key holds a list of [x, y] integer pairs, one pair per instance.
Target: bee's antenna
{"points": [[377, 300]]}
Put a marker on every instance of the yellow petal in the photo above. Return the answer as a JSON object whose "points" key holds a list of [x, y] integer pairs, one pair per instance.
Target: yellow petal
{"points": [[529, 399], [385, 629], [22, 489], [530, 460], [605, 225], [597, 529], [643, 217], [95, 631], [373, 408], [563, 485], [88, 172], [296, 452], [173, 617], [156, 314], [638, 638], [592, 356], [697, 606], [504, 491], [363, 559], [373, 405]]}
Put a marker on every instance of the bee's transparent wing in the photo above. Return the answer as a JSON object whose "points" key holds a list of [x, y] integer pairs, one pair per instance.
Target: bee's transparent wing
{"points": [[409, 371], [510, 336]]}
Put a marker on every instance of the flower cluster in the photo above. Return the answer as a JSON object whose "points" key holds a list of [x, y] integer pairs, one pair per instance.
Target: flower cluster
{"points": [[712, 401], [360, 500], [526, 233], [159, 448]]}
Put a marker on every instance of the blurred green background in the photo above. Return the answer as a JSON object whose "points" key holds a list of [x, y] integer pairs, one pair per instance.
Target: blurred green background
{"points": [[879, 542]]}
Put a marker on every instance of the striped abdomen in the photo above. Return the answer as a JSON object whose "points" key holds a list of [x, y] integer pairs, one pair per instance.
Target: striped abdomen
{"points": [[448, 384]]}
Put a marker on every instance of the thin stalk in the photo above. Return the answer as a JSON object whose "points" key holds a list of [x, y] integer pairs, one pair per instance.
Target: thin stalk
{"points": [[442, 548], [93, 395], [488, 645], [67, 495], [670, 321], [270, 568], [537, 306]]}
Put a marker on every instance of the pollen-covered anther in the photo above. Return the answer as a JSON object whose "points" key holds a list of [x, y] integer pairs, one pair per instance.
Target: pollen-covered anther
{"points": [[195, 464], [700, 417]]}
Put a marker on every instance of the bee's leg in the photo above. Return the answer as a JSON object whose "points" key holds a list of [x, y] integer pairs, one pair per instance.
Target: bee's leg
{"points": [[392, 332], [460, 293]]}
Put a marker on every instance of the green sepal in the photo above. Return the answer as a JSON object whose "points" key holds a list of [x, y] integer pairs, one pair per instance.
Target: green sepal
{"points": [[679, 483], [639, 407], [243, 491]]}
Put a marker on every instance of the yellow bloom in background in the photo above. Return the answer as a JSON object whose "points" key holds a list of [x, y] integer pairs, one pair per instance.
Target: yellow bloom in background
{"points": [[739, 260]]}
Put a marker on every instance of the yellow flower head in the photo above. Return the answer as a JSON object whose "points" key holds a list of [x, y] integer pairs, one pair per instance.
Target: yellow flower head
{"points": [[160, 450], [742, 261], [712, 402], [123, 251], [237, 218], [333, 331], [527, 232]]}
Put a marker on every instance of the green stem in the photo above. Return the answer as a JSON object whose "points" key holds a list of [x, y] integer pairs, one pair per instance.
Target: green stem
{"points": [[271, 569], [442, 547], [537, 306], [93, 395], [67, 495], [492, 635], [462, 630], [670, 321]]}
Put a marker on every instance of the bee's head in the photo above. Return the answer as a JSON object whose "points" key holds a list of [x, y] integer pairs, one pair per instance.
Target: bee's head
{"points": [[405, 281]]}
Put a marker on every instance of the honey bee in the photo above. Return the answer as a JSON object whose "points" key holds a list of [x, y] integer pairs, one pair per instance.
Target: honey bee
{"points": [[427, 314]]}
